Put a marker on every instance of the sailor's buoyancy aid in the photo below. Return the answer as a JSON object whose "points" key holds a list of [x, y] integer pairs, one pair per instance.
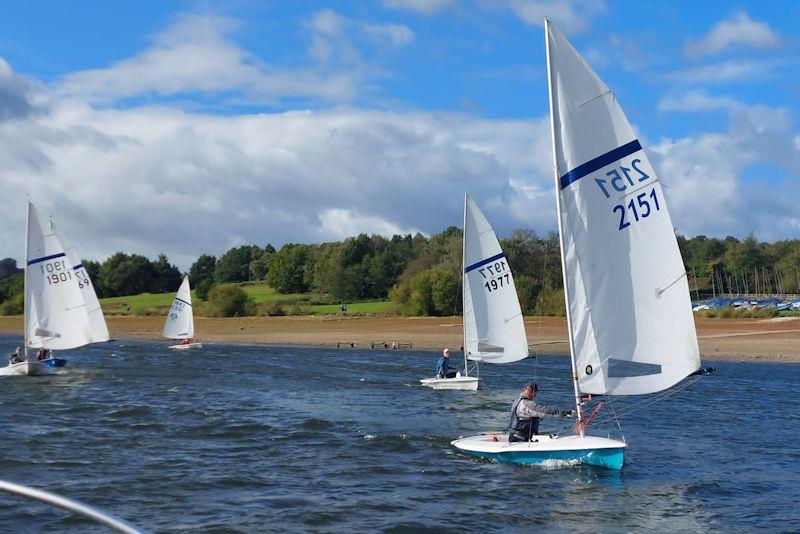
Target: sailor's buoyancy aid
{"points": [[522, 426]]}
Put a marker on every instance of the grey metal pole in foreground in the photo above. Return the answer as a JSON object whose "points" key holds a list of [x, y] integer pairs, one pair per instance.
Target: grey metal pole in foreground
{"points": [[85, 510]]}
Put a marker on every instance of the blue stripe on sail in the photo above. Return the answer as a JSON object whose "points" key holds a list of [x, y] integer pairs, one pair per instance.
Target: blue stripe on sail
{"points": [[599, 162], [187, 303], [484, 262], [76, 267], [45, 258]]}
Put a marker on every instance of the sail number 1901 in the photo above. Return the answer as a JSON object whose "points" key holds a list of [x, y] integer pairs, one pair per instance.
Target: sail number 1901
{"points": [[56, 272]]}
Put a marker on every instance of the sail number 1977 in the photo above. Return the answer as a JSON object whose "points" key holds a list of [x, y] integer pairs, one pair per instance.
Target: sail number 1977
{"points": [[498, 275]]}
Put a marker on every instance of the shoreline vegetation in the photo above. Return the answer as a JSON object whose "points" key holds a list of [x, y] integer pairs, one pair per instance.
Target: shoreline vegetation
{"points": [[730, 339]]}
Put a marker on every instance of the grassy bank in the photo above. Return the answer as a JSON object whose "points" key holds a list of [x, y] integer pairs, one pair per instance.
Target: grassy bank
{"points": [[260, 294]]}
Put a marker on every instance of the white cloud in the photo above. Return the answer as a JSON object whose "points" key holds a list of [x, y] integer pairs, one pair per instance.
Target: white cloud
{"points": [[704, 175], [154, 179], [571, 16], [739, 29], [197, 54], [396, 34], [421, 6], [698, 101], [727, 72], [342, 223]]}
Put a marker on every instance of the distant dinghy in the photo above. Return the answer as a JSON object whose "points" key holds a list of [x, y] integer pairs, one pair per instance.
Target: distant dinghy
{"points": [[631, 328], [180, 320], [494, 331], [56, 314]]}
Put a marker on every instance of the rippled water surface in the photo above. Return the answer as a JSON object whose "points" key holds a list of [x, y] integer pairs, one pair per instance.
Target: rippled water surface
{"points": [[255, 438]]}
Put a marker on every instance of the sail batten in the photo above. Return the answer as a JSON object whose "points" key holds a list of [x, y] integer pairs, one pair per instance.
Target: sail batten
{"points": [[626, 301], [493, 328]]}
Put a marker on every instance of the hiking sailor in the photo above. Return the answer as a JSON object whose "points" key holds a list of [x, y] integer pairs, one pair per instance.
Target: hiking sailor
{"points": [[526, 413]]}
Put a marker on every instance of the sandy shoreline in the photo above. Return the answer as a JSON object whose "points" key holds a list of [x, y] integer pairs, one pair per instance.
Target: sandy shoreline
{"points": [[774, 340]]}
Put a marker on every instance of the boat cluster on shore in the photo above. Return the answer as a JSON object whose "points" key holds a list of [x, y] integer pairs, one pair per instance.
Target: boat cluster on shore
{"points": [[746, 302]]}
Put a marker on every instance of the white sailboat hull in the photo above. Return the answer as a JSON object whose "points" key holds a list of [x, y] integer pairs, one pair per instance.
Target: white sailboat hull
{"points": [[546, 450], [27, 369], [465, 383], [186, 346]]}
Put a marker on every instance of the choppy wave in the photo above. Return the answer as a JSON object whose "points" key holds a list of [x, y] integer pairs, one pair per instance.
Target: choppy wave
{"points": [[251, 438]]}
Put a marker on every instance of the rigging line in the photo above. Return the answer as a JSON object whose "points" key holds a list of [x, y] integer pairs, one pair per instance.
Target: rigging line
{"points": [[614, 415], [540, 318], [643, 404]]}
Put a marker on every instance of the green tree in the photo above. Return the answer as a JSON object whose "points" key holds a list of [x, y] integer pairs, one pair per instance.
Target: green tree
{"points": [[234, 265], [260, 264], [227, 300], [287, 270], [124, 274], [14, 305], [420, 299], [446, 292], [202, 269], [12, 286], [201, 290], [8, 267], [528, 292], [166, 277]]}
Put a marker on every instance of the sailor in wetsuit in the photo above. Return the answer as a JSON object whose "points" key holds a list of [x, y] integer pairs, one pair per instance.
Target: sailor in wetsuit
{"points": [[526, 413]]}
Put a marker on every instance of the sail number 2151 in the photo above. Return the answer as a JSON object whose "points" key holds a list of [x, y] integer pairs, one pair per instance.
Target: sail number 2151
{"points": [[639, 207]]}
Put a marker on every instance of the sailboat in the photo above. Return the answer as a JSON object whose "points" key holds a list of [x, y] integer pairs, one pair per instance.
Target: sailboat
{"points": [[180, 320], [629, 318], [55, 310], [494, 331]]}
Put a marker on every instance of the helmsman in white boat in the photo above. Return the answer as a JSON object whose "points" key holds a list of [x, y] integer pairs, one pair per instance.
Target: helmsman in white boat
{"points": [[526, 414]]}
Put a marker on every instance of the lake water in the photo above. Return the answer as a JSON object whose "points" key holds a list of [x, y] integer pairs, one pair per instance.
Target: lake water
{"points": [[263, 438]]}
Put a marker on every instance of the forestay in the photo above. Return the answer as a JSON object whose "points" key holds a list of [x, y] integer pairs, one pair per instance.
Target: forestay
{"points": [[97, 322], [180, 320], [631, 322], [493, 326], [55, 312]]}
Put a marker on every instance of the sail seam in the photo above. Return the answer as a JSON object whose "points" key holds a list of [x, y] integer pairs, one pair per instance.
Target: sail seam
{"points": [[187, 303], [484, 262], [45, 258], [599, 162]]}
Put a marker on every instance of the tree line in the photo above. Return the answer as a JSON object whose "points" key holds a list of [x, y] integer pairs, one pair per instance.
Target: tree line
{"points": [[420, 273]]}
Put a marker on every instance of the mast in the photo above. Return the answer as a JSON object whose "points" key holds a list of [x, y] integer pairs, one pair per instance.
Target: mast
{"points": [[463, 285], [25, 298], [561, 226]]}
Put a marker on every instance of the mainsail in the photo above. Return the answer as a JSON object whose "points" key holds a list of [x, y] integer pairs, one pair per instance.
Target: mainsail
{"points": [[97, 322], [493, 326], [180, 320], [55, 312], [631, 324]]}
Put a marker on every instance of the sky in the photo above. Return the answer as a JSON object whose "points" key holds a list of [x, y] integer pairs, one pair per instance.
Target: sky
{"points": [[191, 127]]}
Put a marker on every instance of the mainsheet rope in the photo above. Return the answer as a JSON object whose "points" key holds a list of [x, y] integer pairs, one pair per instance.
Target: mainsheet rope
{"points": [[616, 416]]}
